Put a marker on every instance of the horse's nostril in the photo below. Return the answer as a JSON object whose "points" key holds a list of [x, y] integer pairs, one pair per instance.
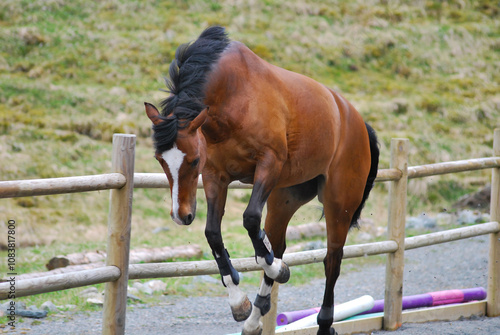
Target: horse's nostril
{"points": [[189, 218]]}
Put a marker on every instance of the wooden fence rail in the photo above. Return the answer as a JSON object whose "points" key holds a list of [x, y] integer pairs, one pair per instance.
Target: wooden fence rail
{"points": [[451, 235], [453, 167], [196, 268], [50, 186], [61, 282], [159, 180], [123, 179]]}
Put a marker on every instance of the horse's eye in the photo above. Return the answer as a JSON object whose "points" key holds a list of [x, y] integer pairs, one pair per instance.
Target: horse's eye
{"points": [[195, 163]]}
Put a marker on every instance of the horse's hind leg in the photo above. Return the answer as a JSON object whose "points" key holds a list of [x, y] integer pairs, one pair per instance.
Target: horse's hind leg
{"points": [[281, 206], [341, 198], [332, 261]]}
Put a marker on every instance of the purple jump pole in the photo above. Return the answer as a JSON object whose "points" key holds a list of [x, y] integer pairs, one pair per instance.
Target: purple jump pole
{"points": [[446, 297], [416, 301], [288, 317], [457, 296], [412, 301], [434, 299], [472, 294], [377, 307]]}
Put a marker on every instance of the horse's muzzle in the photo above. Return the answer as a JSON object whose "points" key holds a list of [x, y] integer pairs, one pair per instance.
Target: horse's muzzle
{"points": [[185, 215], [186, 220]]}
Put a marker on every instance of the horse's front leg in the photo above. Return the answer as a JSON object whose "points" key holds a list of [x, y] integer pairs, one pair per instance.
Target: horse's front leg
{"points": [[261, 305], [241, 307], [274, 268]]}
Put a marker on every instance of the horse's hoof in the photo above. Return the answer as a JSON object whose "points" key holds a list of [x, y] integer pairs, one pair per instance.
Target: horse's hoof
{"points": [[257, 331], [330, 331], [284, 274], [242, 312]]}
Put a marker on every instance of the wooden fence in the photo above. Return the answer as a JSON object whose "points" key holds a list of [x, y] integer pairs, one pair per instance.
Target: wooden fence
{"points": [[117, 271]]}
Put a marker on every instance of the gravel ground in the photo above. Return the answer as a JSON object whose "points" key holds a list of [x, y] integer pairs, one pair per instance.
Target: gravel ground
{"points": [[461, 264]]}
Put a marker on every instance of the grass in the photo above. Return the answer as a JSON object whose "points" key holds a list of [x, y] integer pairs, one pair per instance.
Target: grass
{"points": [[73, 73]]}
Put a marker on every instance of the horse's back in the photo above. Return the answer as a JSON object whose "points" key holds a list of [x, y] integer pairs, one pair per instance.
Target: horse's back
{"points": [[290, 113]]}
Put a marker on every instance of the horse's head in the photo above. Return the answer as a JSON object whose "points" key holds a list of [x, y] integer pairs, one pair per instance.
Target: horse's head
{"points": [[182, 163]]}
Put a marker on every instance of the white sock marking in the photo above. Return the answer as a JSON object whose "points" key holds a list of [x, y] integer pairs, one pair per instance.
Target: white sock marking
{"points": [[253, 322], [236, 296], [272, 270], [174, 158]]}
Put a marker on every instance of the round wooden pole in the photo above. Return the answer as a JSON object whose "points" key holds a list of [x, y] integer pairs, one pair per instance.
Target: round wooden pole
{"points": [[393, 307], [120, 214], [196, 268], [269, 320], [159, 180], [48, 186], [493, 304], [451, 235], [452, 167], [27, 287]]}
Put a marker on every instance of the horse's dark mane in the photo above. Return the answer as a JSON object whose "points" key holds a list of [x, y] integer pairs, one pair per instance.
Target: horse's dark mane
{"points": [[188, 72]]}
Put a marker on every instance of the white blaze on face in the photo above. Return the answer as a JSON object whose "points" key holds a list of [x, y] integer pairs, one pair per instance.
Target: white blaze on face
{"points": [[174, 158]]}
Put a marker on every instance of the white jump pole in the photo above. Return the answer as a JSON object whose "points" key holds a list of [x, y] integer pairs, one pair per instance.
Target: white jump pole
{"points": [[340, 312]]}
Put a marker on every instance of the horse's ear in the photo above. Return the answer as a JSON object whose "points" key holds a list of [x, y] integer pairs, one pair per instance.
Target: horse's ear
{"points": [[198, 121], [152, 113]]}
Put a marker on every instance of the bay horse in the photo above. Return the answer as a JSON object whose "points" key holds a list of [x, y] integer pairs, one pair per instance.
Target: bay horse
{"points": [[232, 116]]}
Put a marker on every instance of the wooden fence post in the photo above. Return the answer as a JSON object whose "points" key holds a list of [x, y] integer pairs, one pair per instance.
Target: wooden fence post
{"points": [[119, 223], [493, 303], [393, 305], [269, 320]]}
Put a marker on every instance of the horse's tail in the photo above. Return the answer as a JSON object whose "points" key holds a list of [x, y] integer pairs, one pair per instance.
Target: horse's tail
{"points": [[374, 151]]}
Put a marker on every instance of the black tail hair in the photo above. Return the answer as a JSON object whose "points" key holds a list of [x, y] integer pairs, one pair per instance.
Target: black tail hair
{"points": [[374, 151]]}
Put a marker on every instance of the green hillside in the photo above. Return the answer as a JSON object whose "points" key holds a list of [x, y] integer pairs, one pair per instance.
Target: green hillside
{"points": [[72, 73]]}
